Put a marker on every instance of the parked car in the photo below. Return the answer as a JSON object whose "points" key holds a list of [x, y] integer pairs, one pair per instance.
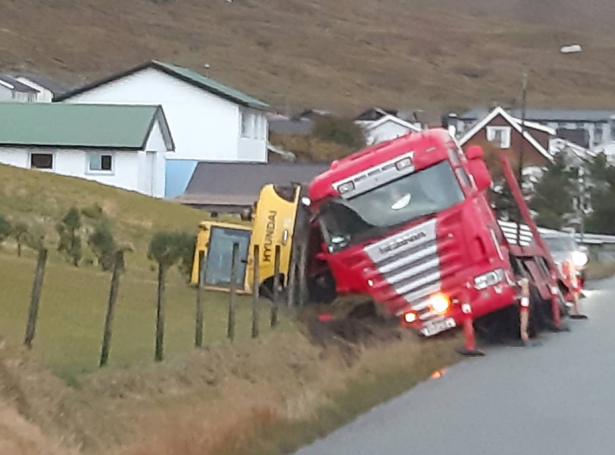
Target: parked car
{"points": [[564, 248]]}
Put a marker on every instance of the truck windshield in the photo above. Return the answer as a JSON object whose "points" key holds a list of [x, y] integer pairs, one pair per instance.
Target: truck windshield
{"points": [[370, 214]]}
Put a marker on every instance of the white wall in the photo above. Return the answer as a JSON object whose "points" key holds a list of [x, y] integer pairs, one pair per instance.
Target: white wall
{"points": [[128, 172], [6, 94], [385, 132], [205, 127]]}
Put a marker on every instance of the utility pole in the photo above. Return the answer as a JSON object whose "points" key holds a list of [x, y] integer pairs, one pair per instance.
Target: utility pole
{"points": [[522, 150], [581, 201]]}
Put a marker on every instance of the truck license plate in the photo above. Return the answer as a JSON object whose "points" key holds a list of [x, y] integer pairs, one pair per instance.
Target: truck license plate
{"points": [[434, 328]]}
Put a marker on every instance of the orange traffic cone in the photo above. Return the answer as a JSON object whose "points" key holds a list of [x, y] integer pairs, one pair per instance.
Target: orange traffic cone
{"points": [[469, 348], [524, 310], [575, 290]]}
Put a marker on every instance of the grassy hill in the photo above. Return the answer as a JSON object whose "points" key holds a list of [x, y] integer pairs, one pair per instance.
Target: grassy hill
{"points": [[42, 199], [74, 299], [341, 55]]}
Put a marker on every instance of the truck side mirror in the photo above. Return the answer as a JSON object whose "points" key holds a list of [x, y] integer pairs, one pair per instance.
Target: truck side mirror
{"points": [[481, 175], [474, 152]]}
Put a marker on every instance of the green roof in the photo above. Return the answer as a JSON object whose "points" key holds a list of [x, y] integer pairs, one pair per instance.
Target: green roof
{"points": [[214, 86], [76, 125], [184, 74]]}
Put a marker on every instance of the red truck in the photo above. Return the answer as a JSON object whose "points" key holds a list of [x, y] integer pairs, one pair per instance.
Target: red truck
{"points": [[408, 223]]}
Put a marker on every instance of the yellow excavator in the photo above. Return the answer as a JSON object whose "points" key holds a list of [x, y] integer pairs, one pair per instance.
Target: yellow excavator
{"points": [[273, 223]]}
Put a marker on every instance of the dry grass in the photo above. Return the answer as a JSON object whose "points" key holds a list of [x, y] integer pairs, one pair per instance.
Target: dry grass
{"points": [[600, 270], [263, 397], [342, 55]]}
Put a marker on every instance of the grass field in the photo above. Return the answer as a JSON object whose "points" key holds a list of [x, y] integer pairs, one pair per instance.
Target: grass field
{"points": [[72, 314]]}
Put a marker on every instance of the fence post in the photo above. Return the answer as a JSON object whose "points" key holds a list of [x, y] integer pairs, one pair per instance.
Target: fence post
{"points": [[113, 293], [255, 291], [231, 298], [35, 297], [303, 288], [292, 277], [198, 333], [276, 287], [162, 272]]}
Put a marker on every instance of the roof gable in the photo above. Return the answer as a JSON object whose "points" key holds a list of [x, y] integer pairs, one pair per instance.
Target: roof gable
{"points": [[550, 115], [390, 118], [513, 122], [191, 77], [79, 125], [13, 84]]}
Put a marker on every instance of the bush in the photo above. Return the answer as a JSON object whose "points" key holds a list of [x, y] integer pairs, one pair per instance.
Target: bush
{"points": [[187, 245], [5, 228], [20, 232], [340, 131], [93, 212], [169, 248], [70, 241], [103, 245]]}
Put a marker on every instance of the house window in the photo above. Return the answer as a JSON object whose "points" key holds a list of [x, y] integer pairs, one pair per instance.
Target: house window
{"points": [[246, 124], [41, 161], [100, 162], [258, 131], [499, 136]]}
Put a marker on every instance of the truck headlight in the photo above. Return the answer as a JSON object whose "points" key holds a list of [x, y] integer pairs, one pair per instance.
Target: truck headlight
{"points": [[579, 259], [439, 303], [489, 279]]}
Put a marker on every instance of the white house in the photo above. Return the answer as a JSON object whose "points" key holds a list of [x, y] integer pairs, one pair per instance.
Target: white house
{"points": [[381, 125], [386, 128], [209, 120], [47, 88], [117, 145], [13, 90]]}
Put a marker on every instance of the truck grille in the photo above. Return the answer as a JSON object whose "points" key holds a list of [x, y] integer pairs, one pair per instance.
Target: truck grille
{"points": [[413, 263]]}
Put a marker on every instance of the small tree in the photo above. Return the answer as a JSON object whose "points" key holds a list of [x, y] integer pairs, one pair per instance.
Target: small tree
{"points": [[187, 245], [103, 245], [70, 240], [552, 198], [5, 228], [20, 233], [339, 130], [166, 248]]}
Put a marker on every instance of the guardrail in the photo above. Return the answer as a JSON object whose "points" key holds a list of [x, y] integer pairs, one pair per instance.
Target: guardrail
{"points": [[509, 229]]}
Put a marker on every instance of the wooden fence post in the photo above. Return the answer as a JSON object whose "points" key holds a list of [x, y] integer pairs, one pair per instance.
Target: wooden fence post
{"points": [[35, 297], [162, 272], [113, 293], [198, 333], [276, 287], [255, 291], [303, 284], [231, 298]]}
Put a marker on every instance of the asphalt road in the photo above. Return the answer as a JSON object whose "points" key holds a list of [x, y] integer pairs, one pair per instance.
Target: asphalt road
{"points": [[557, 398]]}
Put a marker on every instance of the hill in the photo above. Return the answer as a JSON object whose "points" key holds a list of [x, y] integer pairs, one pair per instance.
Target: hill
{"points": [[341, 55], [42, 199]]}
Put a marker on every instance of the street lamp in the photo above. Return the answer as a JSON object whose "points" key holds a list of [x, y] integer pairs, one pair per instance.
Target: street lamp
{"points": [[567, 49]]}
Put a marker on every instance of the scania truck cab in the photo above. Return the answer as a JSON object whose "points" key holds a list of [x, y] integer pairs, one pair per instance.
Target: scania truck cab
{"points": [[408, 222]]}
